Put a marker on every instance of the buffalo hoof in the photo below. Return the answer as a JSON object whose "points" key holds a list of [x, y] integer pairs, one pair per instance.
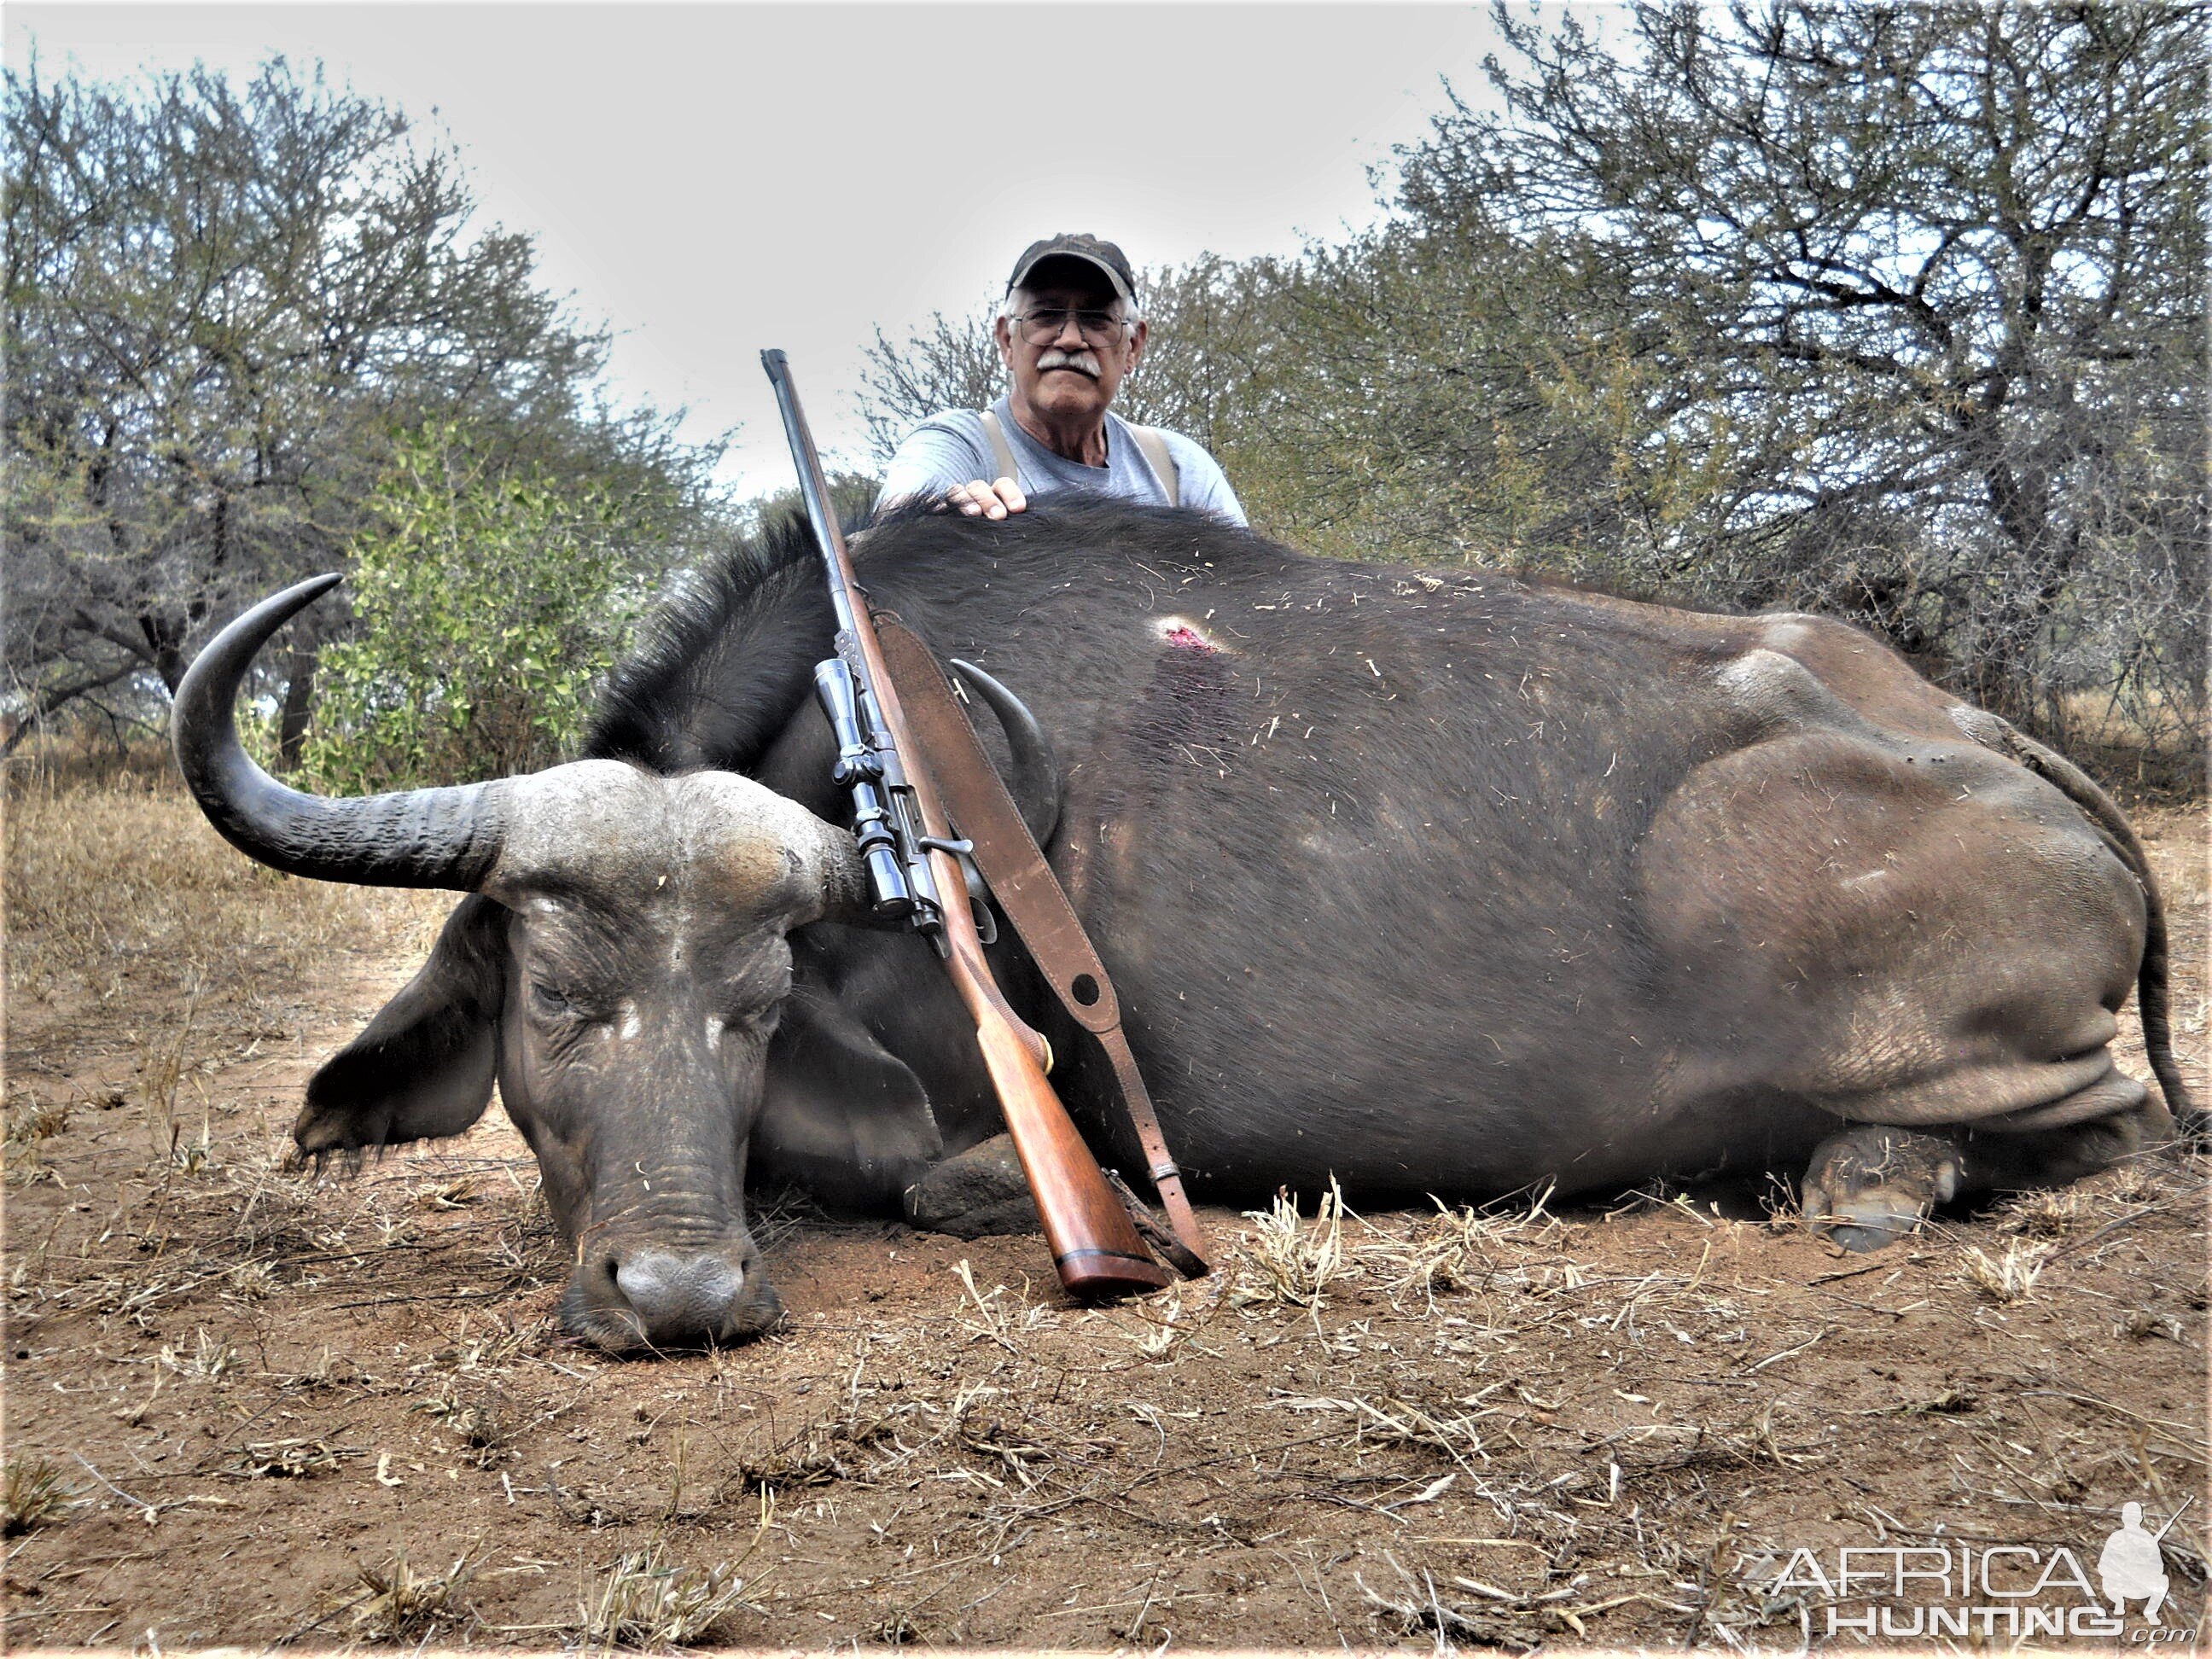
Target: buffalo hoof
{"points": [[973, 1193], [1869, 1186]]}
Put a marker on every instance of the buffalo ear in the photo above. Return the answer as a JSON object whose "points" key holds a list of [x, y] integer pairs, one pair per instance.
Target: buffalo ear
{"points": [[840, 1114], [424, 1066]]}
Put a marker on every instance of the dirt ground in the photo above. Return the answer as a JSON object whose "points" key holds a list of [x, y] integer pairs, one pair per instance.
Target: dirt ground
{"points": [[245, 1406]]}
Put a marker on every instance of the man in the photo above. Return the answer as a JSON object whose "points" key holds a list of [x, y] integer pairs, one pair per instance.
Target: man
{"points": [[2131, 1565], [1069, 332]]}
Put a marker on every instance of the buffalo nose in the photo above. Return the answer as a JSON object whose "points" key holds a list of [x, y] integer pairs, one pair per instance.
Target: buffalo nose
{"points": [[680, 1296]]}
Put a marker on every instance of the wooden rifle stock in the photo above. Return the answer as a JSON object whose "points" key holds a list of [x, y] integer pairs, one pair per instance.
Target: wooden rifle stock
{"points": [[1094, 1243]]}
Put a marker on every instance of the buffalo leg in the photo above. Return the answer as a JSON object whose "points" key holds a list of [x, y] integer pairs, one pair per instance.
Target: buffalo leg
{"points": [[975, 1192], [1871, 1184], [2051, 1157]]}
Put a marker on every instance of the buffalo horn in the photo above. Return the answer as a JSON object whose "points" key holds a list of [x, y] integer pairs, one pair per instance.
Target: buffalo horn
{"points": [[1035, 784], [447, 837]]}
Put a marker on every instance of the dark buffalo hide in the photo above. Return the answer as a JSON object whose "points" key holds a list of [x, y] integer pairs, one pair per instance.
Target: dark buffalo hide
{"points": [[1446, 882]]}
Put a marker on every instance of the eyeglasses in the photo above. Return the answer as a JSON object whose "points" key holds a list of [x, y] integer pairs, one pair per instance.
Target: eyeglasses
{"points": [[1098, 328]]}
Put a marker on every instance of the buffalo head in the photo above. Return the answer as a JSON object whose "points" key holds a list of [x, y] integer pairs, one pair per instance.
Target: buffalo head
{"points": [[620, 969]]}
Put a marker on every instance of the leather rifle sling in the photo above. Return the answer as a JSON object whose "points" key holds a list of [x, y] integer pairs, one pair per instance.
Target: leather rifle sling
{"points": [[1032, 899]]}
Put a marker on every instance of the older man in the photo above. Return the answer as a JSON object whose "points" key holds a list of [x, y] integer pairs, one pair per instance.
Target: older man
{"points": [[1069, 332]]}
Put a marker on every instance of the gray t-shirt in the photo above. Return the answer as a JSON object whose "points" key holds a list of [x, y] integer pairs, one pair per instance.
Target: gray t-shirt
{"points": [[950, 449]]}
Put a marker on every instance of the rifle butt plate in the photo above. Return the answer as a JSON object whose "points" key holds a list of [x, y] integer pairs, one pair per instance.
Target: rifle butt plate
{"points": [[1109, 1273]]}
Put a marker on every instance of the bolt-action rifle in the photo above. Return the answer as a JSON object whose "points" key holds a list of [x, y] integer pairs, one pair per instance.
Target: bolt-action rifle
{"points": [[917, 878]]}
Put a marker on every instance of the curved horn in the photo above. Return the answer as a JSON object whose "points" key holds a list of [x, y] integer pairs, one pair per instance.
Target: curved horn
{"points": [[420, 838], [1035, 785]]}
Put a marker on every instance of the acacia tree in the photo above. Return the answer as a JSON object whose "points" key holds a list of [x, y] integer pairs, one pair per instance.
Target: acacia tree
{"points": [[221, 307], [1453, 391], [1913, 293], [950, 363]]}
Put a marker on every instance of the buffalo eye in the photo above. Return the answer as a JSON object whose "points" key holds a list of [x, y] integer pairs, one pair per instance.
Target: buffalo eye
{"points": [[548, 1002], [758, 1020], [756, 1003]]}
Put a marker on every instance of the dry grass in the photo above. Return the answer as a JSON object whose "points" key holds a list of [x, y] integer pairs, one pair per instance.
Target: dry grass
{"points": [[117, 891], [2055, 1213], [1284, 1261], [2008, 1276], [474, 1422], [1387, 1421], [33, 1118], [1455, 1250], [2152, 750], [397, 1604], [209, 1359], [1518, 1621], [650, 1602], [1163, 1324], [33, 1494]]}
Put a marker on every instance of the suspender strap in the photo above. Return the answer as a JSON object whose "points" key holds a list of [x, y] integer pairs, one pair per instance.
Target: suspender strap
{"points": [[1002, 451], [1163, 461], [1032, 899], [1150, 443]]}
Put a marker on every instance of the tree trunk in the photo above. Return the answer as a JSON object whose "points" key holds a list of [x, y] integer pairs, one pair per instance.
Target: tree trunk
{"points": [[2010, 673], [53, 701], [299, 695], [165, 643]]}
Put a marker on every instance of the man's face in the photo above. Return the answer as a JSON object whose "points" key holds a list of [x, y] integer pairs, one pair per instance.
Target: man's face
{"points": [[1069, 376]]}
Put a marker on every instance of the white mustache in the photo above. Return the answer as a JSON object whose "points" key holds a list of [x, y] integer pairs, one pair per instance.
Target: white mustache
{"points": [[1084, 363]]}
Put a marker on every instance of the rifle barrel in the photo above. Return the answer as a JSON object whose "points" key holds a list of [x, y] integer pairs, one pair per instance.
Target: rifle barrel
{"points": [[2171, 1519], [814, 487]]}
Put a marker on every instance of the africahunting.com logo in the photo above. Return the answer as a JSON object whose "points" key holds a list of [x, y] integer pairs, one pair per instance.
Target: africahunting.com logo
{"points": [[1949, 1588]]}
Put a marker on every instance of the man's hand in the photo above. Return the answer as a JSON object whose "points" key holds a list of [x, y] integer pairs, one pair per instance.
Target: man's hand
{"points": [[989, 501]]}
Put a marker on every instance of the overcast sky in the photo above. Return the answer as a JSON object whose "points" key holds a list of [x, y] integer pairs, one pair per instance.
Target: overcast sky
{"points": [[709, 179]]}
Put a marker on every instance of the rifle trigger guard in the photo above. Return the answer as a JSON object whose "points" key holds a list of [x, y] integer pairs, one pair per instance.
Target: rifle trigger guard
{"points": [[979, 892]]}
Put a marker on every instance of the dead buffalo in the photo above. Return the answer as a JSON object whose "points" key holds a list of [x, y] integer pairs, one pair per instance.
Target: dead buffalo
{"points": [[1439, 883]]}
